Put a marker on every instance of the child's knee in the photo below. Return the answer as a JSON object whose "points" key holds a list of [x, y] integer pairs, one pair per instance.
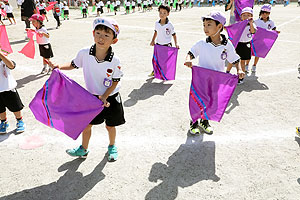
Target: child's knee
{"points": [[110, 128]]}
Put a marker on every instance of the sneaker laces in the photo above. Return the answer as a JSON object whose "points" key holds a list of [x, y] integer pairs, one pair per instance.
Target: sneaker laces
{"points": [[205, 124]]}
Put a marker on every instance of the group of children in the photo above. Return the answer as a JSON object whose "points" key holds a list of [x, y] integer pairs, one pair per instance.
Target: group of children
{"points": [[6, 10], [103, 72]]}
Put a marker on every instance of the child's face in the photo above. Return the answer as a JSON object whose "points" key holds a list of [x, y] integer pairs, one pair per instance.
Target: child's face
{"points": [[104, 39], [246, 16], [163, 14], [35, 23], [265, 15], [210, 27]]}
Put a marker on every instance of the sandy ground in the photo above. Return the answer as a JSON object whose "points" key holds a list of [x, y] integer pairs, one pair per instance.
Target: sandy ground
{"points": [[253, 154]]}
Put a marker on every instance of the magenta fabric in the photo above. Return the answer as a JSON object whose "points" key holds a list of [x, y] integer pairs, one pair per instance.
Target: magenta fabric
{"points": [[4, 42], [210, 93], [235, 31], [262, 42], [65, 105], [239, 5], [164, 62]]}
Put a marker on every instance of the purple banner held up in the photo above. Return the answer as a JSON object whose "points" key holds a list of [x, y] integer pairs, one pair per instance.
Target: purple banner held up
{"points": [[210, 93], [235, 31], [262, 42], [164, 62], [65, 105], [239, 5]]}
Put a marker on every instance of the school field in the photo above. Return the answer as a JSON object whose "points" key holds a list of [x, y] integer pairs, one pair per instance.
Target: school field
{"points": [[253, 154]]}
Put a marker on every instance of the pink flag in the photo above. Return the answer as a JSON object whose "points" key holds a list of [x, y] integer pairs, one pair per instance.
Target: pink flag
{"points": [[262, 42], [235, 31], [210, 93], [4, 42], [164, 62], [29, 49], [37, 10], [3, 13], [239, 5], [65, 105], [51, 5]]}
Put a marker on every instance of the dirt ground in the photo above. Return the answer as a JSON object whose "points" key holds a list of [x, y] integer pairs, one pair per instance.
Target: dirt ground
{"points": [[253, 153]]}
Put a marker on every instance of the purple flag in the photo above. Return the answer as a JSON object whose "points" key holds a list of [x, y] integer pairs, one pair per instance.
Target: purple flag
{"points": [[262, 42], [235, 31], [210, 93], [64, 105], [164, 62], [239, 5]]}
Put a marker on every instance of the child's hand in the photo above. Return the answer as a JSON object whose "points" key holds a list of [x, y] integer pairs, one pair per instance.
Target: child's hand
{"points": [[250, 20], [152, 43], [51, 64], [105, 103], [177, 46], [278, 32], [241, 74], [188, 64]]}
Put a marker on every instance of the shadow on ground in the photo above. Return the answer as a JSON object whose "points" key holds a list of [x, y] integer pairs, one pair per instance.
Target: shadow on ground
{"points": [[22, 82], [71, 186], [146, 91], [193, 162]]}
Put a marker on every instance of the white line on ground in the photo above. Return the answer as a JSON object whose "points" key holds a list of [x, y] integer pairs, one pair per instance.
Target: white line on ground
{"points": [[290, 21]]}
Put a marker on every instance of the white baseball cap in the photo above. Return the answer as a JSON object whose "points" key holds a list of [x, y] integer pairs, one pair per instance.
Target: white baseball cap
{"points": [[109, 22]]}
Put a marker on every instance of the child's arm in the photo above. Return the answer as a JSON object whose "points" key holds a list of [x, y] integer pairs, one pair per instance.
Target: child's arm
{"points": [[153, 38], [7, 61], [175, 40], [107, 93], [44, 34], [188, 60], [66, 66]]}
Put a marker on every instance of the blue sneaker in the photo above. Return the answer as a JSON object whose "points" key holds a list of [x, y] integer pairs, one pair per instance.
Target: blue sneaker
{"points": [[3, 127], [112, 153], [78, 152], [20, 126]]}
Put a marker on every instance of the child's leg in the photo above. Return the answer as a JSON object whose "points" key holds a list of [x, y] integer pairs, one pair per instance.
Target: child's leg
{"points": [[3, 116], [10, 20], [112, 134], [18, 115], [229, 66], [243, 62], [14, 20], [86, 135], [256, 61]]}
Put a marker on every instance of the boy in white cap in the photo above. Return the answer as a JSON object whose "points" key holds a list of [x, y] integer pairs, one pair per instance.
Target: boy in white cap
{"points": [[212, 52], [243, 48], [263, 22], [102, 74]]}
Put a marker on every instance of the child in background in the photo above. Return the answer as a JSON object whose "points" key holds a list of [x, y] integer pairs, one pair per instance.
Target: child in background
{"points": [[243, 48], [139, 4], [145, 5], [56, 13], [108, 6], [100, 6], [66, 10], [212, 52], [9, 97], [127, 7], [41, 5], [8, 9], [263, 22], [42, 38], [84, 9], [133, 6]]}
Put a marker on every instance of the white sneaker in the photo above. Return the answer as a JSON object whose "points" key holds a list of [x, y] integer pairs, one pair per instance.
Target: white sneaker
{"points": [[253, 68]]}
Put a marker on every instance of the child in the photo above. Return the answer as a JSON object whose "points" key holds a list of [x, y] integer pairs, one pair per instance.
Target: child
{"points": [[100, 6], [212, 53], [66, 10], [1, 15], [139, 4], [164, 30], [150, 3], [56, 13], [133, 6], [42, 38], [9, 97], [41, 5], [263, 22], [145, 5], [114, 5], [108, 6], [171, 4], [8, 9], [118, 5], [298, 3], [127, 7], [84, 9], [102, 74], [243, 48]]}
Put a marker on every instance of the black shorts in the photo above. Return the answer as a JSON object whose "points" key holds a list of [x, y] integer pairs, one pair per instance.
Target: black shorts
{"points": [[133, 7], [171, 4], [43, 12], [10, 100], [46, 50], [115, 8], [10, 15], [244, 50], [112, 115], [84, 10], [145, 6], [127, 7], [139, 5], [66, 12]]}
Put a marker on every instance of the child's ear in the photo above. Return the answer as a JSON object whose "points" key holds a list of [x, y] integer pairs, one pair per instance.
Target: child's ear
{"points": [[115, 40], [94, 33]]}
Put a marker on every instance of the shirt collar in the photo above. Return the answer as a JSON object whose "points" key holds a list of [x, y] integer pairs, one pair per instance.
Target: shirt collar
{"points": [[223, 42], [109, 56], [167, 21]]}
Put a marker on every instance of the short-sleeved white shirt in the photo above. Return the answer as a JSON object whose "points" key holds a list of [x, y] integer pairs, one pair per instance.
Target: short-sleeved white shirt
{"points": [[42, 39], [164, 32], [127, 3], [66, 8], [145, 3], [269, 25], [246, 35], [96, 72], [8, 8], [133, 3], [139, 1], [118, 3], [7, 81], [108, 2], [213, 57], [99, 4]]}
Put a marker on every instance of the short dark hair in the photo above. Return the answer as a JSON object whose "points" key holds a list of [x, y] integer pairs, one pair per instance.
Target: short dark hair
{"points": [[167, 8], [217, 22], [262, 12], [106, 29]]}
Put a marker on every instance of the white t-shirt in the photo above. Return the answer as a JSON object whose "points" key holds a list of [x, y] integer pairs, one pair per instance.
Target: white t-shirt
{"points": [[20, 2], [118, 3], [98, 74], [145, 3], [41, 6], [127, 3], [100, 4], [7, 81], [246, 35], [108, 2], [269, 25], [133, 3], [42, 39], [8, 8], [212, 56], [164, 32], [140, 1], [66, 8]]}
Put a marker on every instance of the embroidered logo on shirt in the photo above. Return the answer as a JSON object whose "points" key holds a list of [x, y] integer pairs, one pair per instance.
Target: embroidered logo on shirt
{"points": [[269, 26], [168, 31], [119, 67], [224, 55], [249, 35]]}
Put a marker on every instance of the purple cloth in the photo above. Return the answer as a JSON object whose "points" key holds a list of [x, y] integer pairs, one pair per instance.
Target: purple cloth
{"points": [[164, 62], [239, 5], [65, 105], [235, 32], [262, 42], [210, 93]]}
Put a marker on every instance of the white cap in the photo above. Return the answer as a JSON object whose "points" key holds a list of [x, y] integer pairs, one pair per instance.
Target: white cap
{"points": [[109, 22]]}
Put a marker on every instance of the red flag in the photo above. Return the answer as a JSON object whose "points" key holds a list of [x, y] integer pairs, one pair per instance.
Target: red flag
{"points": [[4, 42], [29, 49], [51, 5]]}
